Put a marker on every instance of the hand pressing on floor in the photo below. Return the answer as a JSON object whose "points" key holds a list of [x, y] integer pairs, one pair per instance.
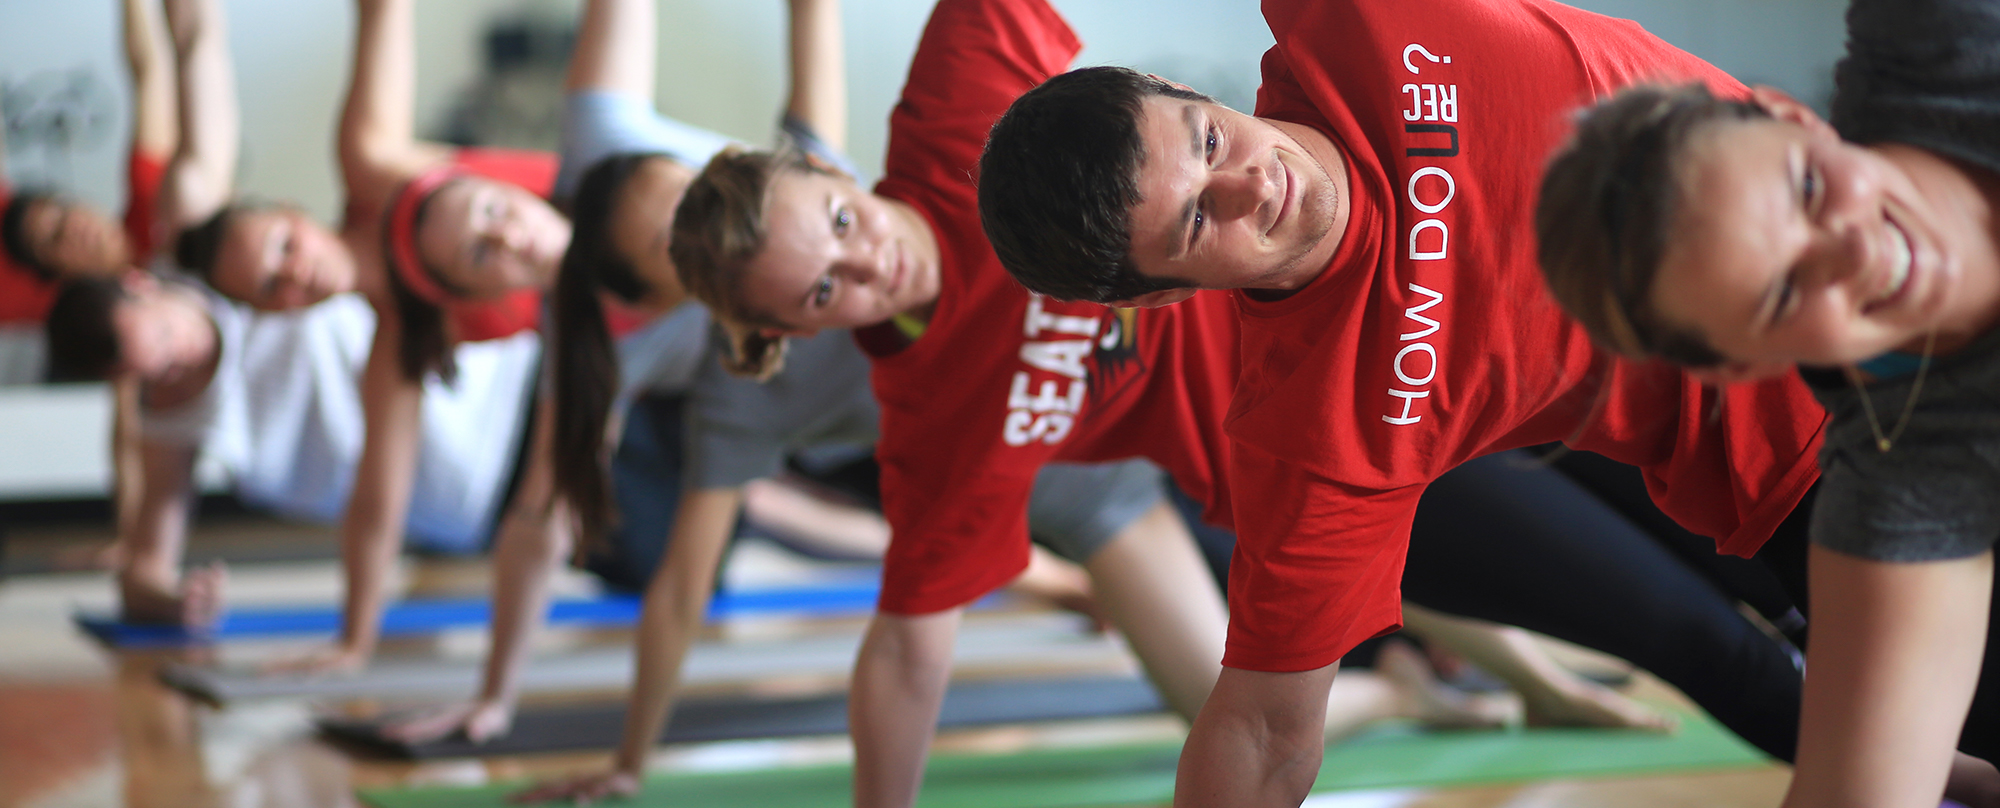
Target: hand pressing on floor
{"points": [[336, 659], [582, 789], [194, 601], [479, 721]]}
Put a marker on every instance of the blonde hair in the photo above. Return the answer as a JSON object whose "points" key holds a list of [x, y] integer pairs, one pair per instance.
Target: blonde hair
{"points": [[719, 227]]}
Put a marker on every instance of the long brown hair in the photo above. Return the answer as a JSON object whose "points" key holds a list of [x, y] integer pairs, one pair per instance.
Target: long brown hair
{"points": [[1607, 209], [721, 226], [426, 347], [584, 362]]}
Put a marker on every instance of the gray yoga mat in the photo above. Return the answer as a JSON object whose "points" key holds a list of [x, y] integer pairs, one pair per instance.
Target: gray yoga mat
{"points": [[1040, 641], [563, 728]]}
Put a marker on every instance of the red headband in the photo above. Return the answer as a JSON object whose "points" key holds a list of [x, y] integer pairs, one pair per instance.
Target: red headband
{"points": [[403, 257]]}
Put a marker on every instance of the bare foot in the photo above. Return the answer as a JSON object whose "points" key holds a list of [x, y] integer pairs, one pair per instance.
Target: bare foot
{"points": [[1589, 704], [193, 602], [1435, 703]]}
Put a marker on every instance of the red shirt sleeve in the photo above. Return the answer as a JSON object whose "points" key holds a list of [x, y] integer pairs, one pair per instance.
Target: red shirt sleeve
{"points": [[1320, 561], [974, 59], [24, 298], [143, 175], [954, 490]]}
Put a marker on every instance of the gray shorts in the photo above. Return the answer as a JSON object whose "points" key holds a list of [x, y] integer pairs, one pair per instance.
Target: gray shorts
{"points": [[1077, 508]]}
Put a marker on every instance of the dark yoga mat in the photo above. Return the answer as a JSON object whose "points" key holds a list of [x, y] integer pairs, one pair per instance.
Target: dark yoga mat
{"points": [[598, 726], [1394, 756], [421, 617], [1058, 642]]}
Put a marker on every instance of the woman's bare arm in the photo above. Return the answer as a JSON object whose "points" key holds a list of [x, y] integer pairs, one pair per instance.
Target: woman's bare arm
{"points": [[615, 49], [378, 141], [819, 70], [149, 59], [201, 177], [1895, 656], [371, 533], [533, 538], [676, 602]]}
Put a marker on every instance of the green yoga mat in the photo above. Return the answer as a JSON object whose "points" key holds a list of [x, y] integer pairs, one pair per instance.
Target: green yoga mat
{"points": [[1393, 756]]}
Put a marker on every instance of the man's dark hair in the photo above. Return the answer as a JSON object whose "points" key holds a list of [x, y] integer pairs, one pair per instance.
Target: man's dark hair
{"points": [[14, 233], [83, 342], [1059, 179]]}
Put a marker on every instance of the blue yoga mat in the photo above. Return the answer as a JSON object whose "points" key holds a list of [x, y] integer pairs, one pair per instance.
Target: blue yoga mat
{"points": [[420, 617]]}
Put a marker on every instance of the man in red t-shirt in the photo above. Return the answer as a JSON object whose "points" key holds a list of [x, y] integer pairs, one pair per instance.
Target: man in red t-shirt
{"points": [[995, 383], [1374, 216]]}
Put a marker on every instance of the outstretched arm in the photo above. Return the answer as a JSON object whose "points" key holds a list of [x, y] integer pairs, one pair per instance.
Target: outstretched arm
{"points": [[371, 533], [533, 538], [154, 482], [1257, 741], [202, 174], [149, 58], [676, 602], [893, 703], [379, 148], [1895, 656], [615, 49], [819, 70]]}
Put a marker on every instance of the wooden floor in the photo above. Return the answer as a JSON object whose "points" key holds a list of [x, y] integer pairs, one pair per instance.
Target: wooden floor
{"points": [[80, 726]]}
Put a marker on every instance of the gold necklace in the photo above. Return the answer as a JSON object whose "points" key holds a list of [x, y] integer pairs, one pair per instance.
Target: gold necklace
{"points": [[1883, 442]]}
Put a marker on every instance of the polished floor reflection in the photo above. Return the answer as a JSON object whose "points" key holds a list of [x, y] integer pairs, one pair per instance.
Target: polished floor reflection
{"points": [[82, 726]]}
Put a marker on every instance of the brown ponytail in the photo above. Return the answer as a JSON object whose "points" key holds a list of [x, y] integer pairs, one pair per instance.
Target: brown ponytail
{"points": [[584, 362], [426, 348]]}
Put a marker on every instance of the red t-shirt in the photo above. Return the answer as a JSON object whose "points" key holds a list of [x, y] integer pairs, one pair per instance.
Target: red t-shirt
{"points": [[26, 297], [1430, 339], [1002, 381], [143, 174]]}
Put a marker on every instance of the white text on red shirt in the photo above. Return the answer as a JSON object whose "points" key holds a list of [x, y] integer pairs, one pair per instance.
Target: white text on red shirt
{"points": [[1057, 343], [1430, 191]]}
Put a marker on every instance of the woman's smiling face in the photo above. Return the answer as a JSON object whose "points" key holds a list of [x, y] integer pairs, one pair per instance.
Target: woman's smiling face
{"points": [[837, 256], [1792, 246]]}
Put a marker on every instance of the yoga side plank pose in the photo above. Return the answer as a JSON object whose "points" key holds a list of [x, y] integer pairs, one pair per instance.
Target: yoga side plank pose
{"points": [[1742, 238], [778, 247], [1393, 326], [624, 167], [274, 399], [446, 245], [737, 428], [196, 125], [47, 238]]}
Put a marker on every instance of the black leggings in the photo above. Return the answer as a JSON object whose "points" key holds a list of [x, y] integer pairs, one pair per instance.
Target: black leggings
{"points": [[1513, 539]]}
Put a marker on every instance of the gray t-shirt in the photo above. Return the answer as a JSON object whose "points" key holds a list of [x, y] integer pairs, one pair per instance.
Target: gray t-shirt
{"points": [[739, 430], [1926, 73]]}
